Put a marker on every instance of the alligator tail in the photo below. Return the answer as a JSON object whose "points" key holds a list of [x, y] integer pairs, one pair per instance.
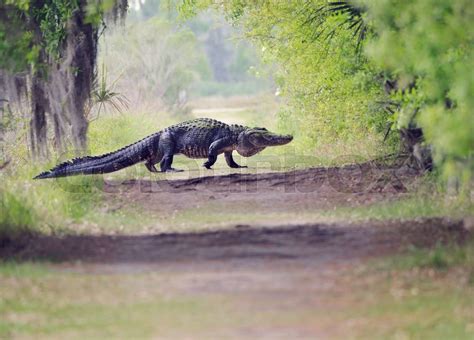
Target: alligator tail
{"points": [[110, 162]]}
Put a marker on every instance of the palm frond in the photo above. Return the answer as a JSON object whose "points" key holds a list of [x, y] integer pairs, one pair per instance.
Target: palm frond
{"points": [[103, 95], [351, 16]]}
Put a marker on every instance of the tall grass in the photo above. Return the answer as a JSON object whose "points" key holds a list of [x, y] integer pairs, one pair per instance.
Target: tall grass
{"points": [[29, 206], [16, 217]]}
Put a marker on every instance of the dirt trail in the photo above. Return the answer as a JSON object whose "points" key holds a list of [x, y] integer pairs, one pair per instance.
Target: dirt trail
{"points": [[247, 243]]}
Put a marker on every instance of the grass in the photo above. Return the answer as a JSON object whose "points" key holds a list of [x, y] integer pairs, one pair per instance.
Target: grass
{"points": [[403, 297], [441, 257], [45, 206], [47, 304], [16, 218], [417, 205], [422, 294], [427, 311]]}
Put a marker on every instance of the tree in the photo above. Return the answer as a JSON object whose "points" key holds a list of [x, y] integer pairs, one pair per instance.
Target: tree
{"points": [[52, 46]]}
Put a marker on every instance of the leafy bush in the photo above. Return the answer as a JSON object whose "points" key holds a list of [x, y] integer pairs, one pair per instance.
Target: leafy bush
{"points": [[430, 43], [425, 47]]}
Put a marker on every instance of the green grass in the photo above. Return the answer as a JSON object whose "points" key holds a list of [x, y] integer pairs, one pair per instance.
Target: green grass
{"points": [[12, 269], [16, 218], [386, 302], [417, 204], [29, 206], [423, 294], [441, 257], [64, 305], [424, 312]]}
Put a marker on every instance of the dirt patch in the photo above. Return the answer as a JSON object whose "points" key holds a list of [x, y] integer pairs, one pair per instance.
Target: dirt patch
{"points": [[315, 244], [277, 198]]}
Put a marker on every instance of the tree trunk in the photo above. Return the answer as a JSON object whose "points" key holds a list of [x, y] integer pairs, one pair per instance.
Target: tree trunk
{"points": [[38, 123], [412, 143], [82, 48]]}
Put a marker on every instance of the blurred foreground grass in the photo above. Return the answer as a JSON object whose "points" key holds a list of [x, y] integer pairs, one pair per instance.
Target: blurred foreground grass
{"points": [[391, 298]]}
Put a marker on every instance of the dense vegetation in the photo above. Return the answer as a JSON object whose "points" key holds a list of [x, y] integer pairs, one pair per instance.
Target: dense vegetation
{"points": [[429, 44], [348, 68]]}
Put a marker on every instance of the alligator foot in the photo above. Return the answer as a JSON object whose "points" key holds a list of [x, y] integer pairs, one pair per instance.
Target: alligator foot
{"points": [[173, 170], [151, 167]]}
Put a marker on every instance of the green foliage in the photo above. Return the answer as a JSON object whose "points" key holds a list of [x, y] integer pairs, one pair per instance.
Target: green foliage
{"points": [[112, 132], [16, 40], [441, 257], [20, 45], [431, 42], [104, 95], [330, 90], [28, 207], [53, 17]]}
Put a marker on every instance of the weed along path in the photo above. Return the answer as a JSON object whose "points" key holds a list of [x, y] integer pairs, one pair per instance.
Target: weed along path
{"points": [[230, 256]]}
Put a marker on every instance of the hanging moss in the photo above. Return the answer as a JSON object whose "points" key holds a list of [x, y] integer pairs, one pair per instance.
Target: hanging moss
{"points": [[52, 45]]}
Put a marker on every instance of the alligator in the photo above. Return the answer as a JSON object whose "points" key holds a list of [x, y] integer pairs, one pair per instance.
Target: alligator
{"points": [[198, 138]]}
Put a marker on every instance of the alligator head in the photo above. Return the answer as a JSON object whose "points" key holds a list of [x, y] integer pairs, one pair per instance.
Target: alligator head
{"points": [[254, 140]]}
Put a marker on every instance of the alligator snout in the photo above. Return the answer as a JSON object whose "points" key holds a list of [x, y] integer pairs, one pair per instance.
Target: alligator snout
{"points": [[280, 140]]}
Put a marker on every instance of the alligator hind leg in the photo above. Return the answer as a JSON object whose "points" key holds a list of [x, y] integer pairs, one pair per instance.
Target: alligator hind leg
{"points": [[167, 148], [151, 166], [152, 160]]}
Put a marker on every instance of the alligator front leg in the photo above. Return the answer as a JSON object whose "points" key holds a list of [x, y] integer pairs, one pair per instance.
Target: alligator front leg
{"points": [[216, 148], [230, 161]]}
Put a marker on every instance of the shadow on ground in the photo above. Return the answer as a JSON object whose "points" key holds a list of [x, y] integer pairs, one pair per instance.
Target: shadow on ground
{"points": [[312, 244]]}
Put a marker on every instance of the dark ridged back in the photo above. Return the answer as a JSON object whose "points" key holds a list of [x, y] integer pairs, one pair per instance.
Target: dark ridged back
{"points": [[194, 137]]}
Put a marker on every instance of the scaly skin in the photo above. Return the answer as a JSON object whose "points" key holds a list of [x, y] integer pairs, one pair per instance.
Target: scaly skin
{"points": [[198, 138]]}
